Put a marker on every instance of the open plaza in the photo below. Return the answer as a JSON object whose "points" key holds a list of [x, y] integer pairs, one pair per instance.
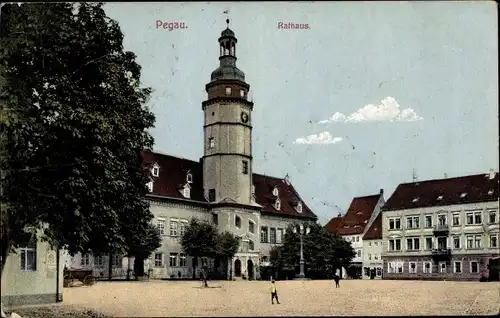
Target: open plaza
{"points": [[298, 298]]}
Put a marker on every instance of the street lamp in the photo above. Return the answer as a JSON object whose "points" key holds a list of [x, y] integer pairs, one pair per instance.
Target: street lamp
{"points": [[301, 234]]}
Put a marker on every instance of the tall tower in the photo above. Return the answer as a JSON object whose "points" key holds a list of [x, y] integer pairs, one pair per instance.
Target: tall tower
{"points": [[227, 160]]}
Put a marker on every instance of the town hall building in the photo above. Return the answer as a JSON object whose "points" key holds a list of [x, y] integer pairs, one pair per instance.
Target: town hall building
{"points": [[221, 187]]}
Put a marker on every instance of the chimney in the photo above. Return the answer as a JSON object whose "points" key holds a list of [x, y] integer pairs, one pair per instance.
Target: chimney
{"points": [[381, 191], [339, 215], [492, 174], [445, 175]]}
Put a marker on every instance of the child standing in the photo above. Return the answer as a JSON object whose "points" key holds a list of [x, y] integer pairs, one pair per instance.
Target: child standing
{"points": [[274, 293]]}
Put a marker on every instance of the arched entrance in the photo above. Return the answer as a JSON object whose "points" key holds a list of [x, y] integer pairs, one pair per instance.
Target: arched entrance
{"points": [[250, 270], [237, 268]]}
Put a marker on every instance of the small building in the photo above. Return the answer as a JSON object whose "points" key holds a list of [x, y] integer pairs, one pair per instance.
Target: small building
{"points": [[442, 229], [352, 226], [32, 275], [372, 250]]}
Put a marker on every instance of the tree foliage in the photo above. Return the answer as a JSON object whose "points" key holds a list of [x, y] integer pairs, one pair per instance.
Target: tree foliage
{"points": [[73, 128], [324, 253]]}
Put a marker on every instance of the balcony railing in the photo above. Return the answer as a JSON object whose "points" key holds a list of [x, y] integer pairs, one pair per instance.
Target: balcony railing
{"points": [[440, 228], [441, 251]]}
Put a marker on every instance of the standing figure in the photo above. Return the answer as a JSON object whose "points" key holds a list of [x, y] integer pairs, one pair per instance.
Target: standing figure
{"points": [[274, 293], [337, 280]]}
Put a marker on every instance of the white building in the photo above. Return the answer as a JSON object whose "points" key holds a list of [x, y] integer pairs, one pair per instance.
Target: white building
{"points": [[372, 250], [442, 229], [353, 225], [221, 187]]}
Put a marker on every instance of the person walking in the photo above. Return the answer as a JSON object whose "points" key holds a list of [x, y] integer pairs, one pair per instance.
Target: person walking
{"points": [[337, 281], [274, 293]]}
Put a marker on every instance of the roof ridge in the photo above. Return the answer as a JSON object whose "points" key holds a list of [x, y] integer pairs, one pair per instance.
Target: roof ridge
{"points": [[452, 178]]}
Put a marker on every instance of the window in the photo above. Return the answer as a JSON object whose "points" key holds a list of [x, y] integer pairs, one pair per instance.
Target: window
{"points": [[415, 199], [211, 195], [251, 245], [376, 243], [160, 225], [237, 221], [412, 222], [369, 243], [428, 243], [174, 225], [299, 207], [273, 235], [474, 267], [493, 241], [251, 226], [379, 271], [276, 192], [278, 205], [369, 257], [456, 242], [473, 218], [457, 267], [28, 257], [186, 192], [115, 261], [395, 245], [413, 244], [357, 238], [183, 226], [149, 185], [215, 219], [182, 260], [391, 267], [456, 219], [491, 191], [189, 178], [427, 268], [442, 267], [470, 241], [173, 260], [264, 234], [394, 223], [245, 166], [493, 217], [463, 195], [399, 267], [85, 261], [158, 259], [376, 256], [211, 142], [477, 241], [228, 90], [439, 198], [156, 171], [242, 93], [358, 253], [442, 220], [412, 267], [428, 221], [97, 260], [442, 243], [280, 235], [366, 271]]}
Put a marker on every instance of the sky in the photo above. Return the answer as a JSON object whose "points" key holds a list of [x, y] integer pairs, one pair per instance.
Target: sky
{"points": [[367, 96]]}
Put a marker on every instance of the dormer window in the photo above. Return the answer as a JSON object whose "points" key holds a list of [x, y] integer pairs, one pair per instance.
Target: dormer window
{"points": [[415, 199], [155, 171], [299, 207], [186, 192], [150, 186], [276, 192], [463, 195], [439, 198], [189, 178], [228, 91], [491, 192], [277, 205]]}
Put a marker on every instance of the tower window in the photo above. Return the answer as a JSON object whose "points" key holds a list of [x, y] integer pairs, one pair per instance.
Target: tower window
{"points": [[237, 222], [242, 93], [211, 195], [245, 166], [228, 90], [211, 142], [189, 178]]}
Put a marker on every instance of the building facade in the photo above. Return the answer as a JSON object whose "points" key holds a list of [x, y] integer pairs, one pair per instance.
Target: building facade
{"points": [[372, 250], [353, 225], [221, 187], [442, 229], [32, 275]]}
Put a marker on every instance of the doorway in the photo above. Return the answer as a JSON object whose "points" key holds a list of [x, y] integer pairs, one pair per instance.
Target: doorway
{"points": [[372, 273], [237, 268], [494, 269], [250, 269]]}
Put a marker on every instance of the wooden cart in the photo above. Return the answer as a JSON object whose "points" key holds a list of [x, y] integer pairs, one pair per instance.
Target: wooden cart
{"points": [[86, 276]]}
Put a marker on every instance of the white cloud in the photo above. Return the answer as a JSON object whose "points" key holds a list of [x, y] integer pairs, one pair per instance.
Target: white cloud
{"points": [[387, 110], [319, 139]]}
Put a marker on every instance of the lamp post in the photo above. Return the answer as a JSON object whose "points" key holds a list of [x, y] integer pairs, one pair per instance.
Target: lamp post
{"points": [[302, 231]]}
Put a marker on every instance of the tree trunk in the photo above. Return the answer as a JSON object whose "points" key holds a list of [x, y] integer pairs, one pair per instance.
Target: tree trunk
{"points": [[110, 265], [5, 254], [195, 262]]}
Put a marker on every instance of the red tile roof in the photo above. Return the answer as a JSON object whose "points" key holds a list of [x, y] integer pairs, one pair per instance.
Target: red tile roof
{"points": [[375, 230], [358, 215], [172, 177], [333, 224], [478, 188]]}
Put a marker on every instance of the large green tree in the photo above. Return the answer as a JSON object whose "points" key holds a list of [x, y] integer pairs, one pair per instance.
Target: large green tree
{"points": [[73, 128], [227, 246], [324, 253]]}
